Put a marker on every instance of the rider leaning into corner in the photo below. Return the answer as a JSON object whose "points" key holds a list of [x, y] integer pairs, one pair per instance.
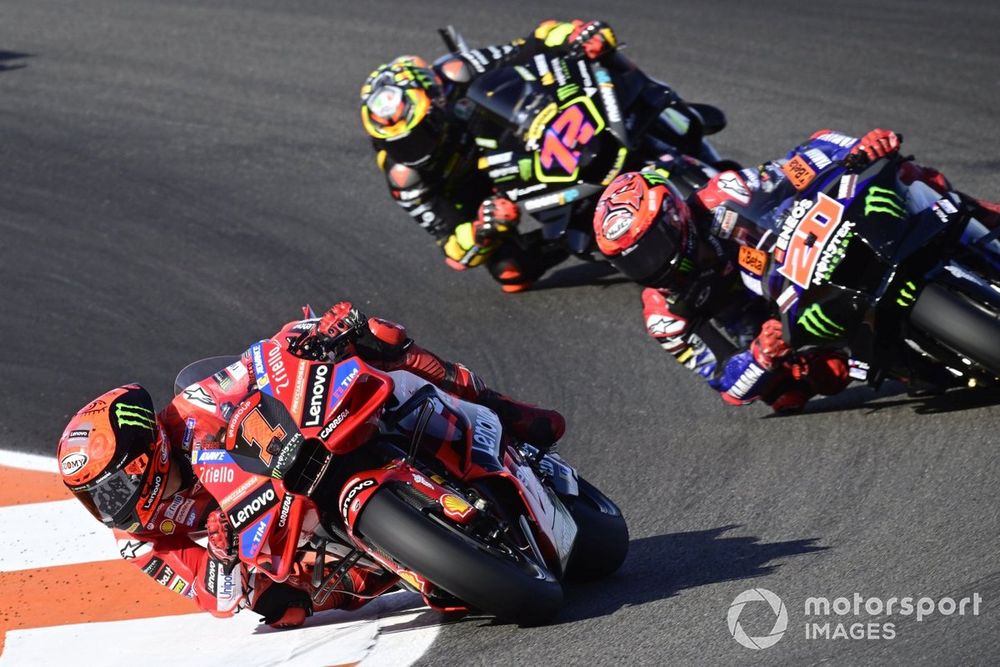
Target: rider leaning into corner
{"points": [[131, 468], [685, 254], [422, 128]]}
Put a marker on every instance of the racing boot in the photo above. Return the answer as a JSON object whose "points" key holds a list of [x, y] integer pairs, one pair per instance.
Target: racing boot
{"points": [[529, 423], [806, 374]]}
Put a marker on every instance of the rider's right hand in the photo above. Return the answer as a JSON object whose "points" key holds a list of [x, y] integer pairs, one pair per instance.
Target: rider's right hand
{"points": [[877, 144]]}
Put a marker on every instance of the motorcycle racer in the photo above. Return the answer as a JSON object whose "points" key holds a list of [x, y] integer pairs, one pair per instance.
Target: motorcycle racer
{"points": [[131, 468], [686, 253], [429, 141]]}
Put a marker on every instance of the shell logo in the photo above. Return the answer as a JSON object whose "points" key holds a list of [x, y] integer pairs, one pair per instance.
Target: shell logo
{"points": [[455, 507]]}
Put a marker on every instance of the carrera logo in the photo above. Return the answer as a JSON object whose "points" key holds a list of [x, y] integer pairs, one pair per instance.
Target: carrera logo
{"points": [[319, 385], [72, 463], [254, 506], [332, 426], [355, 490], [286, 506]]}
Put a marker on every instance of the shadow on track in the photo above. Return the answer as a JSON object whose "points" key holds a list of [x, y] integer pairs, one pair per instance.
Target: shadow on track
{"points": [[862, 396], [6, 56], [663, 566], [585, 273]]}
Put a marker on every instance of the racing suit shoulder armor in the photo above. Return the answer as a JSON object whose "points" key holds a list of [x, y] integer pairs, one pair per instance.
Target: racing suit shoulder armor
{"points": [[402, 177]]}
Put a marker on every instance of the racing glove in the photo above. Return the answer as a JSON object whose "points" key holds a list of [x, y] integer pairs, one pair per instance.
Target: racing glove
{"points": [[497, 216], [221, 539], [768, 348], [461, 249], [341, 318], [876, 144], [593, 39]]}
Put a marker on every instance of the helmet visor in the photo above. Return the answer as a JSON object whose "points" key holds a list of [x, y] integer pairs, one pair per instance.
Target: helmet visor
{"points": [[113, 499], [127, 498]]}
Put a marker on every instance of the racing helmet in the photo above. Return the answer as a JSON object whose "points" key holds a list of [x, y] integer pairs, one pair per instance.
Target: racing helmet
{"points": [[114, 457], [403, 110], [642, 225]]}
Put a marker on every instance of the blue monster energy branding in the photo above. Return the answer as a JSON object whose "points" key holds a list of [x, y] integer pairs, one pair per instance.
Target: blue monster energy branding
{"points": [[883, 200], [817, 323], [907, 294], [134, 415]]}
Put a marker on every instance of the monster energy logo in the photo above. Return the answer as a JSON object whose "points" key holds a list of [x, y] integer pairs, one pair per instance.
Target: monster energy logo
{"points": [[817, 323], [686, 265], [883, 200], [568, 90], [906, 294], [655, 177], [134, 415]]}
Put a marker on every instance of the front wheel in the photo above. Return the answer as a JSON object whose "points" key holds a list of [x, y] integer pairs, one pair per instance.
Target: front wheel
{"points": [[601, 538], [501, 582]]}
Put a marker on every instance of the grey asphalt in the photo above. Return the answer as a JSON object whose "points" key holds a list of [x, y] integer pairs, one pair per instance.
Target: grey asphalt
{"points": [[177, 178]]}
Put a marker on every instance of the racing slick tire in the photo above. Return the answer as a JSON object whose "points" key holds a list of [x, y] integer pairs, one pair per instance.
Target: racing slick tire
{"points": [[601, 538], [507, 585]]}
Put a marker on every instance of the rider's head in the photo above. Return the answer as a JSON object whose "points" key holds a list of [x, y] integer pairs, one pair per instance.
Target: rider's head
{"points": [[642, 226], [115, 458], [402, 109]]}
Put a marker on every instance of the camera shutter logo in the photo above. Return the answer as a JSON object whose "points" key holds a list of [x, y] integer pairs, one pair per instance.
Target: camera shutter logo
{"points": [[780, 621]]}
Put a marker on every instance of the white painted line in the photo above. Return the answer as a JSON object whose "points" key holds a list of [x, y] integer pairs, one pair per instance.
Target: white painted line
{"points": [[28, 461], [60, 532], [373, 635]]}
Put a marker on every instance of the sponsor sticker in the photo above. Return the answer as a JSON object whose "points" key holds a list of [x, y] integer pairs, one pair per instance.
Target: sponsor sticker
{"points": [[73, 463], [798, 172]]}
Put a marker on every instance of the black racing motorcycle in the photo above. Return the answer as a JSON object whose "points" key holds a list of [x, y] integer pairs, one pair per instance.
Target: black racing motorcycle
{"points": [[905, 279], [558, 131]]}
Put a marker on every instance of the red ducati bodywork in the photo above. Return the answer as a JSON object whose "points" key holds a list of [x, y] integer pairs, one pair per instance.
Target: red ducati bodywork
{"points": [[306, 452]]}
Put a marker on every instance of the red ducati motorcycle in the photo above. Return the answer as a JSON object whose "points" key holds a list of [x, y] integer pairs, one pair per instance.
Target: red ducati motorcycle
{"points": [[340, 464]]}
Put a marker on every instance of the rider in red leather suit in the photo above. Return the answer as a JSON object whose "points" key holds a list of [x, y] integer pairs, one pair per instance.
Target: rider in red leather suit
{"points": [[132, 469]]}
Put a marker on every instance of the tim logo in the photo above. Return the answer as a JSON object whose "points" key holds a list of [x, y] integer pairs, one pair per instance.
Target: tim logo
{"points": [[256, 430]]}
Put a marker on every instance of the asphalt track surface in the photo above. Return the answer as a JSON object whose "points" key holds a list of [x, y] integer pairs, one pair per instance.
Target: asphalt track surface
{"points": [[177, 178]]}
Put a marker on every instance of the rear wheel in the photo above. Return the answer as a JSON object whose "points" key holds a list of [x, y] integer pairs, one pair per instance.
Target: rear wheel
{"points": [[492, 578], [602, 535], [964, 325]]}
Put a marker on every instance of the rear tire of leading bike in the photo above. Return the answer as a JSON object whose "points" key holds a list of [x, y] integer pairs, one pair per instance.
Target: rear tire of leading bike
{"points": [[512, 588], [602, 535], [960, 323]]}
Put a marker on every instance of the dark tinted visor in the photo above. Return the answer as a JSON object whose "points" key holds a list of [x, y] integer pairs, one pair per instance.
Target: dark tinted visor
{"points": [[419, 144], [113, 500], [653, 258]]}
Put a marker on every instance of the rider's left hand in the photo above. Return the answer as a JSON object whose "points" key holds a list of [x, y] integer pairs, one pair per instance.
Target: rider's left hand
{"points": [[877, 144]]}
